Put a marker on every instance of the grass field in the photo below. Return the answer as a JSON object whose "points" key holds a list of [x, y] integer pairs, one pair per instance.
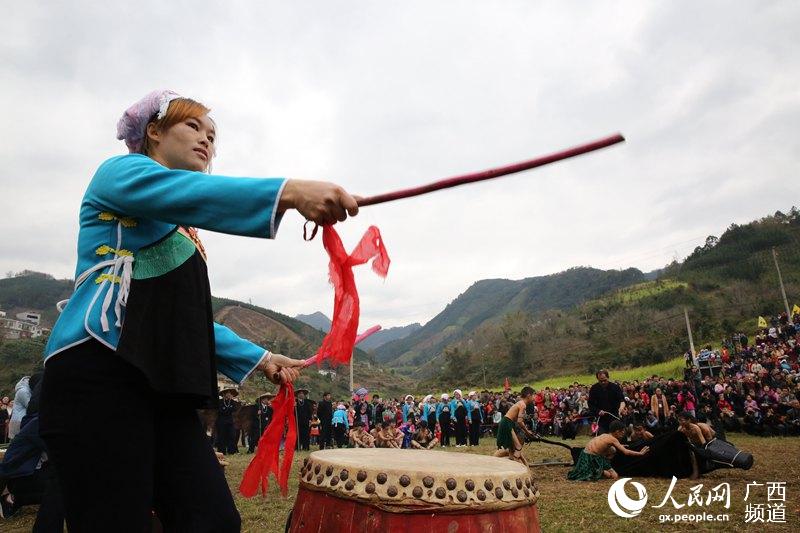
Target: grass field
{"points": [[578, 506], [633, 293], [643, 290], [668, 369]]}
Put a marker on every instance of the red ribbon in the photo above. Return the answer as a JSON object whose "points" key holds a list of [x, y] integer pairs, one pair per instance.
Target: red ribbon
{"points": [[337, 347], [267, 455], [338, 344]]}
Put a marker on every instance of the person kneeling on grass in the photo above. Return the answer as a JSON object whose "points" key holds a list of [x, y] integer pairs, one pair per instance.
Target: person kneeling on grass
{"points": [[593, 462], [508, 444]]}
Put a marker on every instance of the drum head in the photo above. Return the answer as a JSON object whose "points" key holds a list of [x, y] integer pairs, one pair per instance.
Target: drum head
{"points": [[414, 480]]}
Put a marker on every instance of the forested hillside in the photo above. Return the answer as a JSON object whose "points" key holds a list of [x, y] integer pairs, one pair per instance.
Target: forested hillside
{"points": [[488, 301], [724, 284]]}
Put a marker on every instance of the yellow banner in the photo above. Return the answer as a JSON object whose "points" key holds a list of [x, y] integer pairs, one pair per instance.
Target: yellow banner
{"points": [[796, 309], [761, 322]]}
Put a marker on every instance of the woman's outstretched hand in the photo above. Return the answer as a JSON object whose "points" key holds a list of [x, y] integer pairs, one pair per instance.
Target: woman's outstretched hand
{"points": [[282, 369], [318, 201]]}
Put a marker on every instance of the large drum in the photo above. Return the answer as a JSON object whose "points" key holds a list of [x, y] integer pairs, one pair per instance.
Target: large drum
{"points": [[374, 490]]}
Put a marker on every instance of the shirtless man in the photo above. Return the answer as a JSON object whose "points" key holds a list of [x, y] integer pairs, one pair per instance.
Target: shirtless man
{"points": [[508, 444], [398, 435], [387, 437], [689, 427], [593, 462], [639, 433], [423, 438], [708, 431], [367, 439], [698, 437], [359, 438]]}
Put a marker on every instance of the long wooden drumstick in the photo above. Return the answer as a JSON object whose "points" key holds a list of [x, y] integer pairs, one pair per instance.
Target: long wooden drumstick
{"points": [[493, 172]]}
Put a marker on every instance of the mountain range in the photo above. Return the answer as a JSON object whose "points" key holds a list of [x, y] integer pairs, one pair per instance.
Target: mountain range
{"points": [[316, 320], [490, 300]]}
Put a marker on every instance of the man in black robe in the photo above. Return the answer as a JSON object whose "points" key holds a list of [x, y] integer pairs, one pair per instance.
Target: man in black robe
{"points": [[377, 410], [303, 412], [253, 433], [262, 414], [325, 414], [226, 433], [265, 412], [606, 401]]}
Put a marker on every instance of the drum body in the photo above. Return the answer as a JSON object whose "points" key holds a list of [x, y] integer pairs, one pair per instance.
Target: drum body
{"points": [[376, 490]]}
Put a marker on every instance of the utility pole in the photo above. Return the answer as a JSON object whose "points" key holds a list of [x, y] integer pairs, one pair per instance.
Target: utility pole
{"points": [[483, 361], [689, 330], [780, 279], [351, 371]]}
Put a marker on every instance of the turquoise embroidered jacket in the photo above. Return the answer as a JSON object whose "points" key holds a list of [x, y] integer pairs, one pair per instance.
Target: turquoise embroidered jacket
{"points": [[133, 202]]}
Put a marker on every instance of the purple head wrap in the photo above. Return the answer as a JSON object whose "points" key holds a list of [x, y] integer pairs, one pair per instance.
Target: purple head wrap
{"points": [[132, 126]]}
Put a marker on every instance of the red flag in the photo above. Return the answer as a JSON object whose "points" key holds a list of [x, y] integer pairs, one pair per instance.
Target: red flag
{"points": [[506, 385]]}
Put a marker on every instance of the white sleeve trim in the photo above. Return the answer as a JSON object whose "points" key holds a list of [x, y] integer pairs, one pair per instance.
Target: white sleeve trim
{"points": [[264, 359], [272, 228]]}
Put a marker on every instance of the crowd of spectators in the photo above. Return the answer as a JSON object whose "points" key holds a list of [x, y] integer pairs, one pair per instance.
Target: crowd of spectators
{"points": [[743, 386], [423, 423]]}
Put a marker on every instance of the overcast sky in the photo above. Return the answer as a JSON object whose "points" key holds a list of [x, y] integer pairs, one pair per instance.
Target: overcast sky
{"points": [[383, 95]]}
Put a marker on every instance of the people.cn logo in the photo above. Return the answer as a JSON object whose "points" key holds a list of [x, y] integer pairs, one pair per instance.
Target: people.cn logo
{"points": [[621, 504]]}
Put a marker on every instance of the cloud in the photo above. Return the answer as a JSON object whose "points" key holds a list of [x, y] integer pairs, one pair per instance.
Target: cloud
{"points": [[378, 97]]}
